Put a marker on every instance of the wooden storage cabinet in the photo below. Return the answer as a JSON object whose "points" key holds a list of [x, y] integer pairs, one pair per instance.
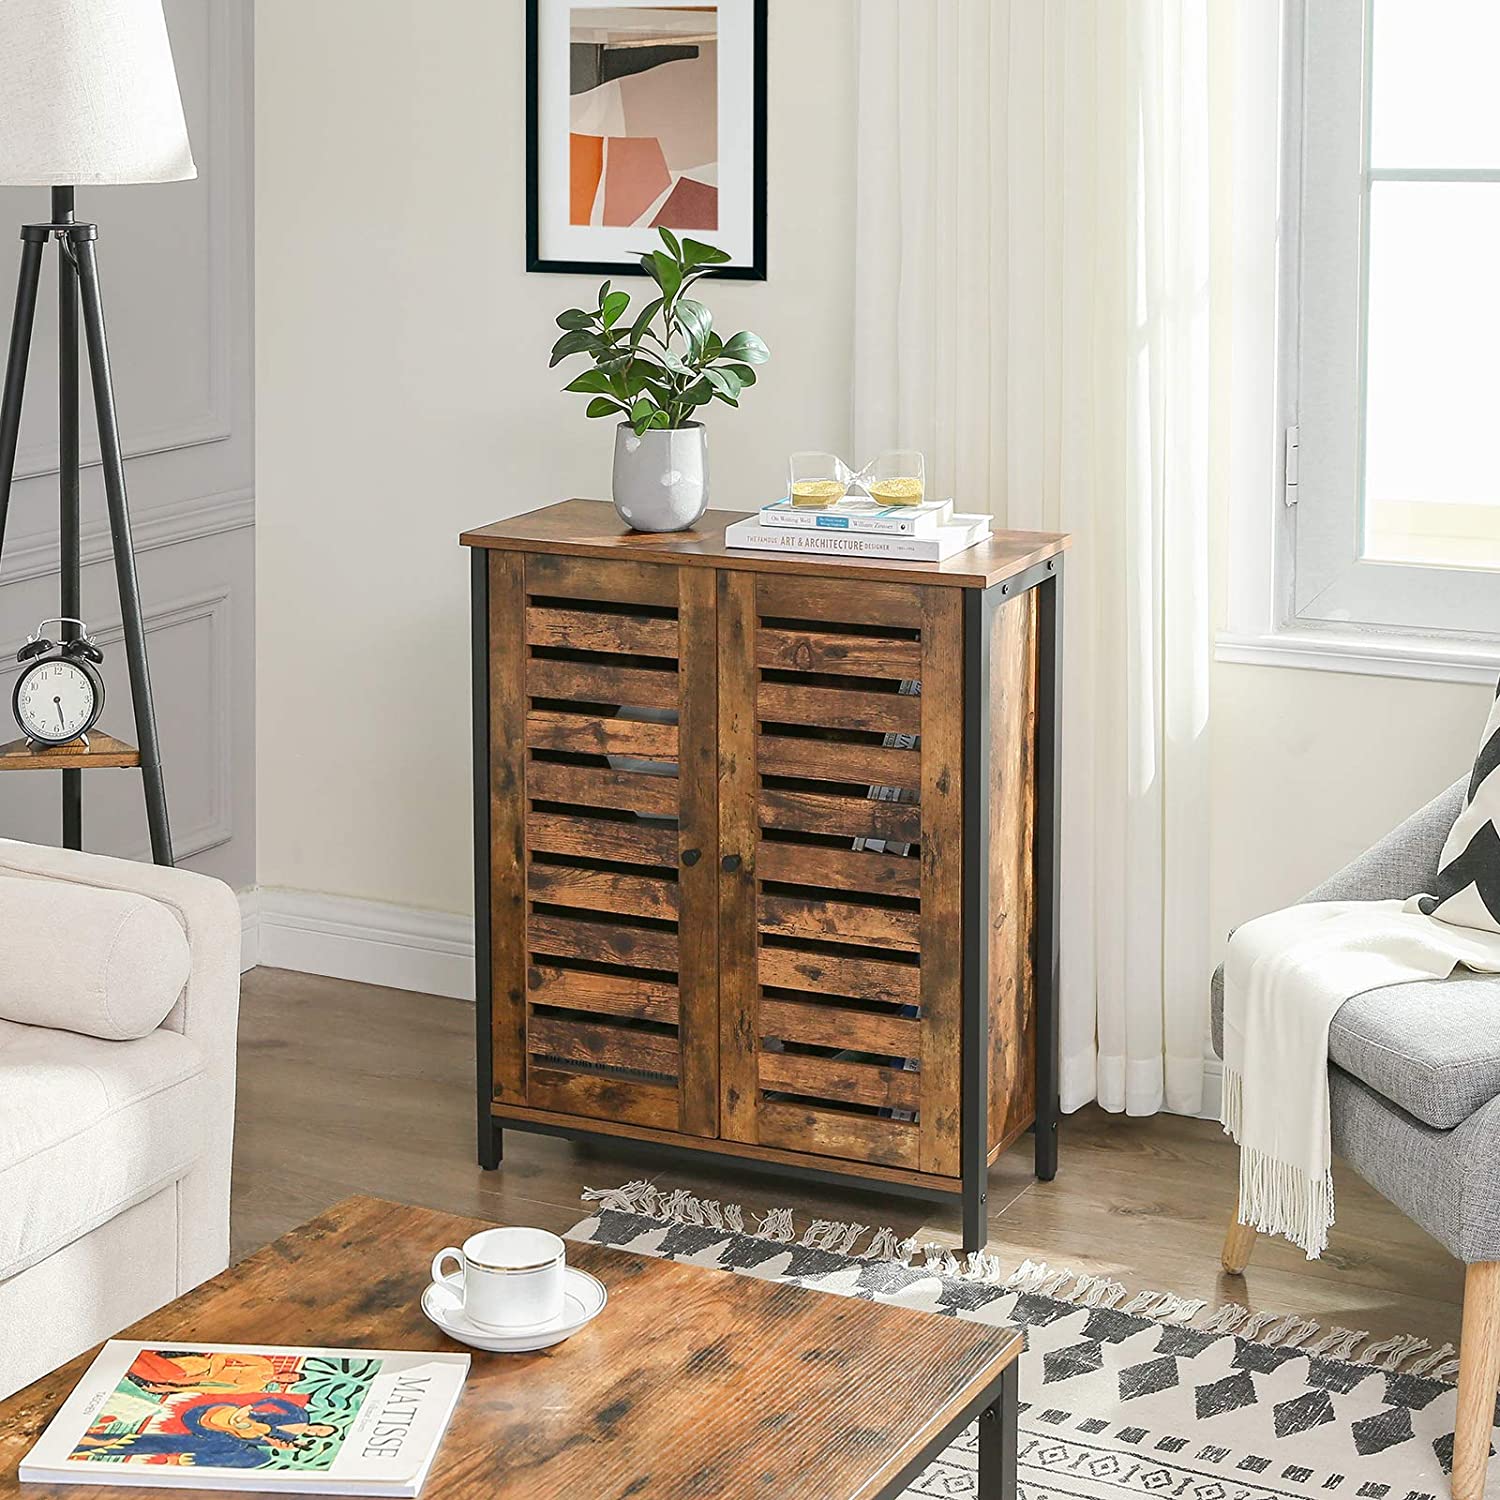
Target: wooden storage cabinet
{"points": [[765, 849]]}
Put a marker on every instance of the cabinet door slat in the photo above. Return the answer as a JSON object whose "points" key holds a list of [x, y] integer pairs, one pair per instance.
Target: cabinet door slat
{"points": [[828, 651], [594, 786], [604, 890], [592, 630], [837, 708], [849, 817], [839, 922], [589, 682], [602, 994], [603, 942], [865, 870], [591, 734], [603, 1045], [856, 978]]}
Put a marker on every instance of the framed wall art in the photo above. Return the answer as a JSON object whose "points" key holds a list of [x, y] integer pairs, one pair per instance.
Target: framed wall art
{"points": [[642, 117]]}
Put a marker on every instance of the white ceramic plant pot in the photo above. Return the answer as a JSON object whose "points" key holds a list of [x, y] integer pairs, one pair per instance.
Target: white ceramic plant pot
{"points": [[661, 478]]}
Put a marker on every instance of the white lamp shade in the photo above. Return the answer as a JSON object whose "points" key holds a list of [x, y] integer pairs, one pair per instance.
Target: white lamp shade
{"points": [[88, 94]]}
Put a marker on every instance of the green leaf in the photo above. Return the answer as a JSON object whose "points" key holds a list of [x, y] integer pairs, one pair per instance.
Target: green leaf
{"points": [[667, 272], [695, 320], [659, 419], [575, 317], [696, 253], [613, 305], [747, 347], [698, 393], [713, 346], [726, 399], [591, 382], [575, 342], [743, 373], [675, 363], [643, 319], [602, 406], [642, 409], [724, 383], [603, 292], [670, 241]]}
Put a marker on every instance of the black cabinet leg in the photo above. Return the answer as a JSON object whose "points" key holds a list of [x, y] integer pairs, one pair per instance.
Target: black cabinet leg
{"points": [[1046, 871], [976, 1214], [491, 1145], [998, 1440], [1045, 1147]]}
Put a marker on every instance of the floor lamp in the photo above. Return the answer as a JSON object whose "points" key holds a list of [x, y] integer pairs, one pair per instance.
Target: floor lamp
{"points": [[88, 95]]}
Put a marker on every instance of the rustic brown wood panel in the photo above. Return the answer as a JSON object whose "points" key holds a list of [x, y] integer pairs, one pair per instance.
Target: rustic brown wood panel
{"points": [[838, 1080], [604, 890], [739, 992], [831, 1132], [831, 601], [698, 837], [507, 685], [840, 1026], [942, 703], [603, 994], [823, 974], [862, 870], [849, 817], [828, 651], [596, 786], [591, 682], [599, 1042], [673, 1407], [589, 734], [630, 1101], [837, 760], [594, 630], [603, 942], [837, 708], [603, 838], [552, 575], [1012, 773], [839, 922]]}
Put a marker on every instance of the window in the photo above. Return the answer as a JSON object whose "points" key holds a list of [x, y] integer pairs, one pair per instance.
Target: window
{"points": [[1393, 411]]}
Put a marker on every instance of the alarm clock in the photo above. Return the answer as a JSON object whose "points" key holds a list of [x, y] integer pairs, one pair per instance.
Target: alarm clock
{"points": [[59, 694]]}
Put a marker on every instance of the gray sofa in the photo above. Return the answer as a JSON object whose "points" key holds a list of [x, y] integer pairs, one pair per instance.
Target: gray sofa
{"points": [[1415, 1094]]}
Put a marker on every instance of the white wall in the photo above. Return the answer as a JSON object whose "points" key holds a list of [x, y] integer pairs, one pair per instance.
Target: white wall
{"points": [[403, 395], [174, 264]]}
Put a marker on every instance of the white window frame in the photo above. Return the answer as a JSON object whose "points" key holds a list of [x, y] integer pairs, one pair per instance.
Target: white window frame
{"points": [[1299, 594]]}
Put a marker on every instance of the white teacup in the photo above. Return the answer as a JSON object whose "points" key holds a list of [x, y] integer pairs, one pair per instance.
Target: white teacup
{"points": [[507, 1278]]}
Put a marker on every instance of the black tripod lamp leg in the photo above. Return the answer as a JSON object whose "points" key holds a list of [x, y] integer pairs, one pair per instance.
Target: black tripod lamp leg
{"points": [[119, 527], [15, 367], [67, 481]]}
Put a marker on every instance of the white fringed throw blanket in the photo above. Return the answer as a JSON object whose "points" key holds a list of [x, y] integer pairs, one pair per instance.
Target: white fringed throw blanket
{"points": [[1284, 977]]}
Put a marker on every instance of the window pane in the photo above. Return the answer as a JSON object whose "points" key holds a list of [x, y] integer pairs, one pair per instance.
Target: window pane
{"points": [[1432, 407], [1432, 84]]}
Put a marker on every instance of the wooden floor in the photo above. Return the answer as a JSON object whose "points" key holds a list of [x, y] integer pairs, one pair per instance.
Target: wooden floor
{"points": [[350, 1088]]}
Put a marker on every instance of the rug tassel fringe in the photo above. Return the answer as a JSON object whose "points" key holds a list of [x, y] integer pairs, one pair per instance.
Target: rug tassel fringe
{"points": [[1039, 1278]]}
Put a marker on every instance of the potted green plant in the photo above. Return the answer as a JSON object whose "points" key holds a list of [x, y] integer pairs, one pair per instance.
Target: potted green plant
{"points": [[655, 371]]}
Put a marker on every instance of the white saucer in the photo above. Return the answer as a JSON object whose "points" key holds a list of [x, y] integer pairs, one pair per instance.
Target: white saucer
{"points": [[584, 1297]]}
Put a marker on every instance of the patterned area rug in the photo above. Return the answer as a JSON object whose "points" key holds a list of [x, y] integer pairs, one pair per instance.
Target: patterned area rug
{"points": [[1123, 1396]]}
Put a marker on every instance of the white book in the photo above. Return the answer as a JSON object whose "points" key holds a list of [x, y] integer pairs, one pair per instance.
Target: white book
{"points": [[858, 514], [252, 1417], [961, 533]]}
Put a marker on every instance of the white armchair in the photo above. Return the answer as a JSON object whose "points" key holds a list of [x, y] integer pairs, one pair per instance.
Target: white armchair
{"points": [[114, 1154]]}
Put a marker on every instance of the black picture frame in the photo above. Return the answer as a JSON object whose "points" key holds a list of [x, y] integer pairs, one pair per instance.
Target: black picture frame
{"points": [[755, 271]]}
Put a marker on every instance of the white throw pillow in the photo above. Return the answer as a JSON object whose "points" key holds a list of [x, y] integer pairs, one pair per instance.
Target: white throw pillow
{"points": [[1467, 889], [107, 963]]}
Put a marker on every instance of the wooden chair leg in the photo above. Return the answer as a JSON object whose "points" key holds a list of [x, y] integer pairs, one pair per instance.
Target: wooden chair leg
{"points": [[1478, 1374], [1239, 1241]]}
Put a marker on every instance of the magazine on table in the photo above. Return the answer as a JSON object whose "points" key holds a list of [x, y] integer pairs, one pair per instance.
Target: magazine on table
{"points": [[273, 1418]]}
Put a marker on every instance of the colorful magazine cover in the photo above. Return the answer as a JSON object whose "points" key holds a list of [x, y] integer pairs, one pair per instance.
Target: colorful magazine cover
{"points": [[334, 1421]]}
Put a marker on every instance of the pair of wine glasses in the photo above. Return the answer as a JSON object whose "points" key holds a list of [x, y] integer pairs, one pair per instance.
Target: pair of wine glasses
{"points": [[896, 477]]}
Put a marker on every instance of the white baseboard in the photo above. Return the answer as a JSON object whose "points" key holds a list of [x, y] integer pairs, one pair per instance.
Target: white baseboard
{"points": [[398, 946], [249, 929]]}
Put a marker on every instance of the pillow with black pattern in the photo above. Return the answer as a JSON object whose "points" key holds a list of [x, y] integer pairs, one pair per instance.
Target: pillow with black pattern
{"points": [[1467, 889]]}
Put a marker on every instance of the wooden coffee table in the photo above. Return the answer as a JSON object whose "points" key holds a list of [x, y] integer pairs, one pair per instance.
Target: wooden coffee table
{"points": [[693, 1384]]}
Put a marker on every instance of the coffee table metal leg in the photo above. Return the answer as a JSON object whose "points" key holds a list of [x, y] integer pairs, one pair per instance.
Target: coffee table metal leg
{"points": [[997, 1441]]}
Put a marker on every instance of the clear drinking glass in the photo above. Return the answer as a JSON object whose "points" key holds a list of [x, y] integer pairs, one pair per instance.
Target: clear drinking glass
{"points": [[895, 477], [816, 480]]}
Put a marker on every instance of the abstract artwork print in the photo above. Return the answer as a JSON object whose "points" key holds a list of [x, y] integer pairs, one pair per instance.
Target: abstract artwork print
{"points": [[229, 1409], [644, 117]]}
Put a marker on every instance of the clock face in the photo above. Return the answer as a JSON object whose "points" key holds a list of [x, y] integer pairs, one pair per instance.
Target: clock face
{"points": [[55, 702]]}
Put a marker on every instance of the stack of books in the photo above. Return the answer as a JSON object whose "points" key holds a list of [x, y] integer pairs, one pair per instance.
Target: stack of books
{"points": [[929, 532]]}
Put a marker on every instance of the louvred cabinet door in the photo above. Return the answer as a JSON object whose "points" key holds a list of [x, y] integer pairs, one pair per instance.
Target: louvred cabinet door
{"points": [[840, 827], [603, 880]]}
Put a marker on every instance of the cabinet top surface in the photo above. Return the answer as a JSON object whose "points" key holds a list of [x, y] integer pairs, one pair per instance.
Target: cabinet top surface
{"points": [[590, 528]]}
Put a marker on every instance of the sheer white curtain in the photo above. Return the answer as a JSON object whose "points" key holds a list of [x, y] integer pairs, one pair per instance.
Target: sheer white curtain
{"points": [[1032, 309]]}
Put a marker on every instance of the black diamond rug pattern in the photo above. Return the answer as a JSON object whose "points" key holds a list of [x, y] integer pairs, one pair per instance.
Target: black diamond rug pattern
{"points": [[1117, 1404]]}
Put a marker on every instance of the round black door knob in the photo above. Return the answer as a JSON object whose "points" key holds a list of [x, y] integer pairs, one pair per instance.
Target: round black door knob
{"points": [[730, 863], [690, 856]]}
